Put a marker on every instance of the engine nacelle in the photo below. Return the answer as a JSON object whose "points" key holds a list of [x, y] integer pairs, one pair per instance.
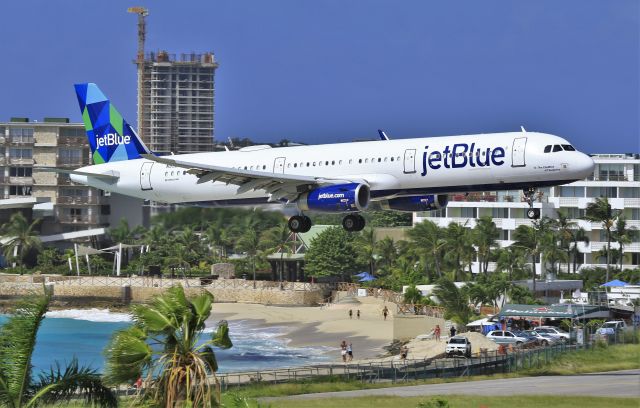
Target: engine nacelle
{"points": [[336, 198], [416, 203]]}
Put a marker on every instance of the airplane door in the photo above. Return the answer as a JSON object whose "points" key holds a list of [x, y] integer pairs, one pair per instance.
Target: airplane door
{"points": [[278, 165], [410, 161], [145, 176], [517, 152]]}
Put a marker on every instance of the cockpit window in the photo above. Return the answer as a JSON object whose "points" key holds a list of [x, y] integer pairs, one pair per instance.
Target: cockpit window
{"points": [[547, 148], [557, 148], [569, 148]]}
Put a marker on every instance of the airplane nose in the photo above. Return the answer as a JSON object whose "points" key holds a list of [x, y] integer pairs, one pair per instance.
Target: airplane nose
{"points": [[585, 165]]}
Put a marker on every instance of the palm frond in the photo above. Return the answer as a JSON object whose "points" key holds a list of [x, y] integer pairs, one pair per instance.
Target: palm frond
{"points": [[63, 384], [17, 341], [127, 356]]}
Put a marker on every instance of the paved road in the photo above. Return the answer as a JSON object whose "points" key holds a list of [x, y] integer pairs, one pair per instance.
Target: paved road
{"points": [[612, 384]]}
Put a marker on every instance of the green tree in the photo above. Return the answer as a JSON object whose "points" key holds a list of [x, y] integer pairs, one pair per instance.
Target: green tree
{"points": [[521, 295], [511, 260], [600, 211], [623, 235], [365, 245], [485, 238], [331, 253], [454, 300], [578, 235], [167, 344], [458, 246], [386, 253], [249, 243], [275, 240], [532, 240], [429, 240], [19, 388], [20, 237], [47, 260], [412, 295], [566, 229]]}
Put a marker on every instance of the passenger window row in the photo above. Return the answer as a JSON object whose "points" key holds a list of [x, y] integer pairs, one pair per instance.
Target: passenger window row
{"points": [[325, 163], [559, 148]]}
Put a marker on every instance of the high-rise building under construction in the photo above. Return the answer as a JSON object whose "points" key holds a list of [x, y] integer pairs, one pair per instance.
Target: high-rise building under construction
{"points": [[176, 102]]}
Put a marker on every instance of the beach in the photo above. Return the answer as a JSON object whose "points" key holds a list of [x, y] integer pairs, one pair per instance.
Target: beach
{"points": [[320, 327]]}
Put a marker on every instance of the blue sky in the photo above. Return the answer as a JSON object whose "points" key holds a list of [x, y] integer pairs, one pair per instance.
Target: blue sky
{"points": [[337, 70]]}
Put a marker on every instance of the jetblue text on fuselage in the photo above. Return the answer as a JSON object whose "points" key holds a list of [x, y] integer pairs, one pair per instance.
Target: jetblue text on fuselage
{"points": [[112, 139], [461, 155]]}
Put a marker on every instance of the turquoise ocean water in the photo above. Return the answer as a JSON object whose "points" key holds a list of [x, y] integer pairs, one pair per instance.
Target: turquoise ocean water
{"points": [[84, 334]]}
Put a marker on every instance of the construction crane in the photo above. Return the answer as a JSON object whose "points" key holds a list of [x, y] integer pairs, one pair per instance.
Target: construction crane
{"points": [[142, 13]]}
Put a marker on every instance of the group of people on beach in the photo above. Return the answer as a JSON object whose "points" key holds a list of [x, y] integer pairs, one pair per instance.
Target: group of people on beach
{"points": [[437, 331], [346, 350], [351, 314]]}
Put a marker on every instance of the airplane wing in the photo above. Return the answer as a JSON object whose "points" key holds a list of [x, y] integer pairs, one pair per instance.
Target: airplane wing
{"points": [[278, 185]]}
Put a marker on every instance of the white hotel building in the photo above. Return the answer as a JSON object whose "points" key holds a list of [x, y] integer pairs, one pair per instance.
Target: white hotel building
{"points": [[616, 176]]}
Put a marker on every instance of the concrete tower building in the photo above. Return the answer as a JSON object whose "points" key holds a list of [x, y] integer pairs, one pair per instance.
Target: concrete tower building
{"points": [[176, 102]]}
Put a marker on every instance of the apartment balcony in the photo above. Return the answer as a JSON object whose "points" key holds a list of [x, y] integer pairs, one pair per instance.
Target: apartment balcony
{"points": [[21, 181], [3, 160], [631, 202], [81, 200], [21, 142], [70, 163], [76, 141], [20, 161], [82, 219]]}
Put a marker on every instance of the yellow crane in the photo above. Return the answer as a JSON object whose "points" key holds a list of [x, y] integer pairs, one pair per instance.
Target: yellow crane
{"points": [[142, 13]]}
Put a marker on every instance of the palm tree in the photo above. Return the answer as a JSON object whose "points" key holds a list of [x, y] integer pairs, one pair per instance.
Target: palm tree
{"points": [[532, 239], [20, 237], [249, 243], [578, 235], [623, 235], [428, 239], [601, 211], [366, 247], [566, 229], [485, 237], [457, 245], [387, 253], [19, 388], [510, 259], [165, 344], [276, 240], [454, 300]]}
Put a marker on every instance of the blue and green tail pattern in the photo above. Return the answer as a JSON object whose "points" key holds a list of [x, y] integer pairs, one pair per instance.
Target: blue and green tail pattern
{"points": [[110, 136]]}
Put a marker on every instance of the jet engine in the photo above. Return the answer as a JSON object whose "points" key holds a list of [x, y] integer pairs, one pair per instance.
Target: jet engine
{"points": [[350, 197], [416, 203]]}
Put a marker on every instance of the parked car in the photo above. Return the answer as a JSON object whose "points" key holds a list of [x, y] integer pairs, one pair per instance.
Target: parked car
{"points": [[543, 339], [612, 327], [508, 337], [556, 332], [458, 345]]}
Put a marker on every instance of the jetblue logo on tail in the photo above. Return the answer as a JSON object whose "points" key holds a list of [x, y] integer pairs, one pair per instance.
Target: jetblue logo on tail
{"points": [[112, 139], [461, 155]]}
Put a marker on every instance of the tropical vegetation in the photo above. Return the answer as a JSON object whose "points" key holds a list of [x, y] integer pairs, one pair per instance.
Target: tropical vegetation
{"points": [[62, 383]]}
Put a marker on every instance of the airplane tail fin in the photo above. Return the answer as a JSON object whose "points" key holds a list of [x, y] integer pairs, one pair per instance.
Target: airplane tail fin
{"points": [[110, 136]]}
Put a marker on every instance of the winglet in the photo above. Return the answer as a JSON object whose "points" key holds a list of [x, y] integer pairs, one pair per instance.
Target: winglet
{"points": [[383, 135]]}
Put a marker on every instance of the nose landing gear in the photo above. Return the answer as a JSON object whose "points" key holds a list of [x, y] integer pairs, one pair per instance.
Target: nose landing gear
{"points": [[532, 213]]}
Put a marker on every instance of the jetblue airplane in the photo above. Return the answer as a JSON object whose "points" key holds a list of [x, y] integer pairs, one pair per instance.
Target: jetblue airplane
{"points": [[402, 175]]}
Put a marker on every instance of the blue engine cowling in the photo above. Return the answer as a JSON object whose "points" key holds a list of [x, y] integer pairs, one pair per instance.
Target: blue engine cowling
{"points": [[336, 198], [416, 203]]}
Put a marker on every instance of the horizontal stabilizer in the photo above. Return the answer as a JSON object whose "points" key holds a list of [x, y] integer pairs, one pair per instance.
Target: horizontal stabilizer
{"points": [[108, 177]]}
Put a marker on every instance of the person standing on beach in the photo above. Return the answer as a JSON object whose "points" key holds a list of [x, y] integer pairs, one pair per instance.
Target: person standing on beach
{"points": [[343, 350], [437, 332], [385, 312], [452, 331], [350, 314], [358, 314], [350, 351]]}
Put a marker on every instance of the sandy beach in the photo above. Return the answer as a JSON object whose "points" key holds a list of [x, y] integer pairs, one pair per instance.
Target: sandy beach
{"points": [[320, 326]]}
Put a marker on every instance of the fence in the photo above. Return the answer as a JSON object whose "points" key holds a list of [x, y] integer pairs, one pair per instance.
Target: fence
{"points": [[485, 362], [158, 282]]}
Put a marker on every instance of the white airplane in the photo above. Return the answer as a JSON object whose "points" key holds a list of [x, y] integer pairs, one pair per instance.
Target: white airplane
{"points": [[402, 175]]}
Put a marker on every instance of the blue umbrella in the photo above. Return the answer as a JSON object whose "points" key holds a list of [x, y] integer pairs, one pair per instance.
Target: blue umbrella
{"points": [[362, 274], [615, 283], [367, 278]]}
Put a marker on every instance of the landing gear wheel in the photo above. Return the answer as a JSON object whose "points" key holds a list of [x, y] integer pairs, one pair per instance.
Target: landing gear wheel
{"points": [[353, 222], [307, 224], [296, 223], [533, 213]]}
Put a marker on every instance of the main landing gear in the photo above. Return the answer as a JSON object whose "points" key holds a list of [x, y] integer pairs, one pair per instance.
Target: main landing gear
{"points": [[353, 222], [302, 223], [532, 213]]}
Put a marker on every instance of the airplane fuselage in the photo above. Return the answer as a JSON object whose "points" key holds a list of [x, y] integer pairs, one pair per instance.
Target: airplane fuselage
{"points": [[392, 168]]}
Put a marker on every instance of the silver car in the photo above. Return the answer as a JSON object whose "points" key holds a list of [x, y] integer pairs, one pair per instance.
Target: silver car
{"points": [[543, 339], [508, 337]]}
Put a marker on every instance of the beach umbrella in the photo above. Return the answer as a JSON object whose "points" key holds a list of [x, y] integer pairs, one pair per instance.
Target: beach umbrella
{"points": [[367, 278], [614, 283], [362, 274]]}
